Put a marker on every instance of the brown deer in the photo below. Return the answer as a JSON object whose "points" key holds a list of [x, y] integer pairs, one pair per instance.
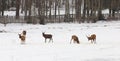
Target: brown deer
{"points": [[75, 39], [22, 36], [92, 38], [47, 36]]}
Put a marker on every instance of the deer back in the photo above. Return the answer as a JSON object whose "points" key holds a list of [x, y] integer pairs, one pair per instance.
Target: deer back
{"points": [[93, 36], [47, 35], [23, 38], [74, 37]]}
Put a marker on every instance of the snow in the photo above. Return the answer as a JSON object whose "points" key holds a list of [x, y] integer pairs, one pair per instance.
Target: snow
{"points": [[12, 13], [106, 49], [62, 12], [106, 11]]}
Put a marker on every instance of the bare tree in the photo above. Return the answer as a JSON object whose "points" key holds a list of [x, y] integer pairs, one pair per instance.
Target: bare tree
{"points": [[59, 4], [78, 4], [25, 9], [50, 8], [29, 10], [41, 11], [3, 5], [22, 5], [17, 8], [67, 11], [56, 4], [0, 6], [84, 10]]}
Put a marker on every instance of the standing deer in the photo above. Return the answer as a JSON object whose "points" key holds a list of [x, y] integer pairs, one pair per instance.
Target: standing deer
{"points": [[22, 36], [47, 36], [75, 39], [92, 38]]}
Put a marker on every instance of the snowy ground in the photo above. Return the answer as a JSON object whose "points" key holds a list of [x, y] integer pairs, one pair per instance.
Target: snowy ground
{"points": [[106, 49]]}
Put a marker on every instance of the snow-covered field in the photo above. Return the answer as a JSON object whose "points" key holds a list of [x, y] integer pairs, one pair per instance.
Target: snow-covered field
{"points": [[106, 49]]}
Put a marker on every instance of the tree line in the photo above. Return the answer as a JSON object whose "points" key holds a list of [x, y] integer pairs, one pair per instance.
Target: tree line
{"points": [[74, 10]]}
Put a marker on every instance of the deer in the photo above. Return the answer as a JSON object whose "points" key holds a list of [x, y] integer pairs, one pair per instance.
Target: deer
{"points": [[75, 39], [92, 37], [22, 36], [47, 36], [24, 32]]}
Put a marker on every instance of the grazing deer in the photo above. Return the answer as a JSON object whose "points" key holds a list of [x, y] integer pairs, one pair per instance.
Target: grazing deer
{"points": [[92, 38], [22, 36], [75, 39], [47, 36]]}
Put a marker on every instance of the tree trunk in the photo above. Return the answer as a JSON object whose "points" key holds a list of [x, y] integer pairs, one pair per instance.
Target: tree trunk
{"points": [[3, 7], [84, 10], [41, 11], [17, 8], [59, 1], [55, 9], [26, 8], [67, 11], [50, 4]]}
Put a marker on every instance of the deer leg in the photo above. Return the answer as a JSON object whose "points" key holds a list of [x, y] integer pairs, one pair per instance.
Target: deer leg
{"points": [[78, 42], [74, 41], [52, 40], [49, 40], [22, 42], [91, 41], [45, 40], [70, 41], [95, 41]]}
